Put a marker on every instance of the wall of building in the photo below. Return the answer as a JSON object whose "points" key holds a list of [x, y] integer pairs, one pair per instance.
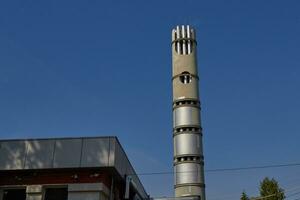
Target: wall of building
{"points": [[88, 192], [34, 192], [57, 176], [79, 191]]}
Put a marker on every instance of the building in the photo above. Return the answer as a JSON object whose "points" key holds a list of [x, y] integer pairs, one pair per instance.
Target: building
{"points": [[187, 130], [91, 168]]}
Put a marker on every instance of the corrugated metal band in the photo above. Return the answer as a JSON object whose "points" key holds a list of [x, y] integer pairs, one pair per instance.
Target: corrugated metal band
{"points": [[188, 132], [177, 129], [190, 155], [190, 184], [200, 162], [187, 99], [185, 104]]}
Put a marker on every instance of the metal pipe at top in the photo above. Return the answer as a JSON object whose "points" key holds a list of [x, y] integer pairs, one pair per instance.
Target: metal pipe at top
{"points": [[178, 37], [189, 41], [183, 41]]}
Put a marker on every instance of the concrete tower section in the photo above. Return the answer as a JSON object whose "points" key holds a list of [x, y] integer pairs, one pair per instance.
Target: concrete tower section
{"points": [[187, 131]]}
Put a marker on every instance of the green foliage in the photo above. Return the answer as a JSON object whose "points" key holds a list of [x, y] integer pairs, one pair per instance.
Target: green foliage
{"points": [[270, 188], [244, 196]]}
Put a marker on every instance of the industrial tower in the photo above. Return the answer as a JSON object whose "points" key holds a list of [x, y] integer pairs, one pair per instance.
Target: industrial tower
{"points": [[187, 131]]}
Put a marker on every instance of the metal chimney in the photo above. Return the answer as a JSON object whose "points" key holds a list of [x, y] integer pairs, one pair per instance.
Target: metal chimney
{"points": [[187, 131]]}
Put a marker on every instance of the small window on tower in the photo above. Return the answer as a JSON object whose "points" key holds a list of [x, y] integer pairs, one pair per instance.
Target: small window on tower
{"points": [[185, 77]]}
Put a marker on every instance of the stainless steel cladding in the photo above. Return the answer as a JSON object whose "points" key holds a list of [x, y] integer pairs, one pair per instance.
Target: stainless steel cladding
{"points": [[188, 173], [187, 131], [187, 144], [185, 116]]}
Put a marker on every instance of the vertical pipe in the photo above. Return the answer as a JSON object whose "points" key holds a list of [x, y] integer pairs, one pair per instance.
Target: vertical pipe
{"points": [[188, 37], [1, 194], [178, 37], [111, 194], [183, 41], [175, 44]]}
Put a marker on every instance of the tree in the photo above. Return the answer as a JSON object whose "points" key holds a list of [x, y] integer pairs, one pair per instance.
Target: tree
{"points": [[270, 188], [244, 196]]}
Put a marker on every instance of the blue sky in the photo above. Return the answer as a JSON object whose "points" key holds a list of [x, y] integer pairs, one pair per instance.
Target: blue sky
{"points": [[92, 68]]}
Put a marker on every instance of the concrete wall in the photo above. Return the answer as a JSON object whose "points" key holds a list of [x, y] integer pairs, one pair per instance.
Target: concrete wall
{"points": [[96, 191], [34, 192]]}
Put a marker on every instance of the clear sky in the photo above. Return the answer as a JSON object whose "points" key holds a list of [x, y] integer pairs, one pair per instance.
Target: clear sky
{"points": [[99, 67]]}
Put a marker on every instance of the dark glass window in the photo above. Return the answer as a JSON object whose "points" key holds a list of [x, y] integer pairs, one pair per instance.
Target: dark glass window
{"points": [[56, 194], [14, 194]]}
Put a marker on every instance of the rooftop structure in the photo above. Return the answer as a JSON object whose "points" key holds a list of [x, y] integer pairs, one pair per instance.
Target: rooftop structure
{"points": [[72, 168]]}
